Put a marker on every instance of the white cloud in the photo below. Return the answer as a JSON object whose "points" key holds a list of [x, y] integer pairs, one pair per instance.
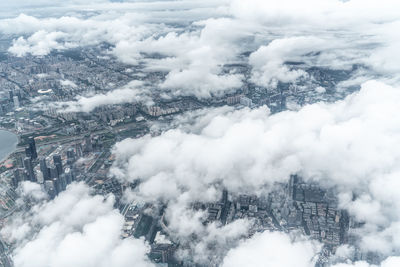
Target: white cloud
{"points": [[134, 92], [200, 83], [268, 61], [359, 32], [336, 144], [68, 83], [202, 243], [193, 58], [47, 34], [315, 14], [209, 34], [39, 44], [273, 249], [75, 229], [28, 189], [351, 144]]}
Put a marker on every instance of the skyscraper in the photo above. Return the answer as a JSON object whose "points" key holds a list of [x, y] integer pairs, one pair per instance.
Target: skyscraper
{"points": [[53, 172], [16, 178], [70, 175], [58, 163], [16, 101], [78, 150], [57, 186], [18, 93], [29, 169], [50, 189], [28, 152], [44, 169], [63, 182], [32, 147], [70, 156], [24, 174], [11, 95], [88, 144]]}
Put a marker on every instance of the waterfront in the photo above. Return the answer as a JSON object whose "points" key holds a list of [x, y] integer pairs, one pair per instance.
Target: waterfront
{"points": [[8, 144]]}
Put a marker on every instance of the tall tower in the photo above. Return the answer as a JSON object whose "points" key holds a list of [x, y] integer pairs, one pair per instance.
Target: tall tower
{"points": [[28, 152], [16, 101], [58, 163], [49, 187], [16, 178], [70, 156], [88, 144], [53, 172], [29, 169], [43, 168], [11, 95], [32, 147]]}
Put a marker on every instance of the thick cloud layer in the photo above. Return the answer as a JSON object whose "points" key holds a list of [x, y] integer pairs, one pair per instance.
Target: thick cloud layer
{"points": [[66, 32], [354, 31], [75, 229], [350, 144]]}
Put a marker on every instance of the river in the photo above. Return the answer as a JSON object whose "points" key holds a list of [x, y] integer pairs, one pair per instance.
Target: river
{"points": [[8, 144]]}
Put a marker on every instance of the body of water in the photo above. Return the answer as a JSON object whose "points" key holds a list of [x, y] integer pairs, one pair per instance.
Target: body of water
{"points": [[8, 143]]}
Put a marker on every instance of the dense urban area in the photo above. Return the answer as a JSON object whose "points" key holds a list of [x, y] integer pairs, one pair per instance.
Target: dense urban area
{"points": [[58, 147]]}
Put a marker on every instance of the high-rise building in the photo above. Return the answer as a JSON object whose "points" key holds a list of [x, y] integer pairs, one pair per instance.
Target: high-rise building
{"points": [[44, 169], [28, 152], [283, 101], [224, 199], [32, 148], [11, 95], [20, 161], [50, 189], [57, 186], [16, 101], [88, 144], [29, 169], [16, 178], [63, 182], [68, 176], [24, 174], [19, 95], [70, 156], [79, 152], [58, 163], [53, 172]]}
